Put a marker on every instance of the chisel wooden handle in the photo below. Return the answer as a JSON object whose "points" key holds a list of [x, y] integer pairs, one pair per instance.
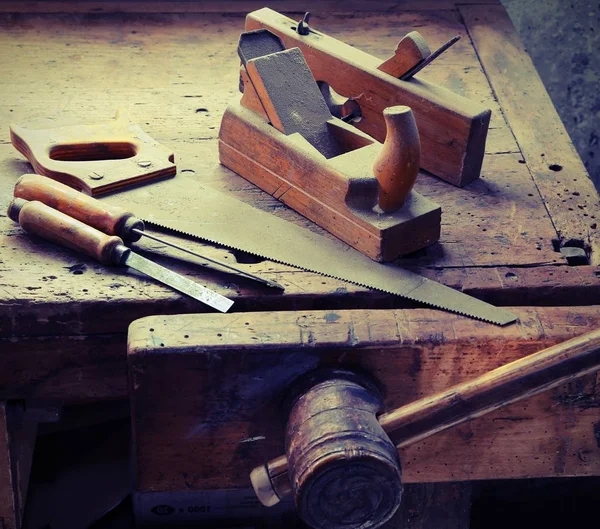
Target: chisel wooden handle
{"points": [[39, 219], [111, 220]]}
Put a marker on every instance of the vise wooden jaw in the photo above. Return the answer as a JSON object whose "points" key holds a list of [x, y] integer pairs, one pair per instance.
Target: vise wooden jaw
{"points": [[282, 137]]}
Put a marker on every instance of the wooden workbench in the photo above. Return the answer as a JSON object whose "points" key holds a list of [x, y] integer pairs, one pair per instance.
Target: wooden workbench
{"points": [[64, 318]]}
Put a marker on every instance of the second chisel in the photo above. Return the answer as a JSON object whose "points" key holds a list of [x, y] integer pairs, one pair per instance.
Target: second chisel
{"points": [[112, 220], [39, 219]]}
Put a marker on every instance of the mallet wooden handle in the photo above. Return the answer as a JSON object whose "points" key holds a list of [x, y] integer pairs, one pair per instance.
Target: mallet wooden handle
{"points": [[408, 424], [39, 219], [112, 220]]}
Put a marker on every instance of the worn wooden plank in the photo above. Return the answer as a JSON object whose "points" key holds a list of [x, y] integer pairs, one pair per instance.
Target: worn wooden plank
{"points": [[9, 512], [240, 6], [182, 108], [236, 416], [567, 192], [59, 292], [68, 369], [195, 102]]}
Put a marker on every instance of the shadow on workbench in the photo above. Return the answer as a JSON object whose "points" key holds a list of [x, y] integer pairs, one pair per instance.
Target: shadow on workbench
{"points": [[81, 478]]}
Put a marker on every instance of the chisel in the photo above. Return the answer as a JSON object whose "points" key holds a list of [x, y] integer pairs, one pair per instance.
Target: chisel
{"points": [[112, 220], [40, 219]]}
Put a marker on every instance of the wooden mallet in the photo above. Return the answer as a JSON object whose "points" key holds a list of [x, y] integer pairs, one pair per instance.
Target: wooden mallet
{"points": [[341, 461]]}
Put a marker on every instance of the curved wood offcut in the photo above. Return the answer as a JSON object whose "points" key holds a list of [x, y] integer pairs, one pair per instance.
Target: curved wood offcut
{"points": [[96, 159]]}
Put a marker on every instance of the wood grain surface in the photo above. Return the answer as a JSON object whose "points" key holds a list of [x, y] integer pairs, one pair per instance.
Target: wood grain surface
{"points": [[67, 68], [231, 386], [555, 166]]}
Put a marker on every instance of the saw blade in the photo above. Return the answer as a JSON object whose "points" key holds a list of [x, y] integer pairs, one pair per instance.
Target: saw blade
{"points": [[185, 206]]}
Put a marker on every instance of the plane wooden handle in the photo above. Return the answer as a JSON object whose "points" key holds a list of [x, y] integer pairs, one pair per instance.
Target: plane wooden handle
{"points": [[39, 219], [111, 220], [397, 165], [422, 418]]}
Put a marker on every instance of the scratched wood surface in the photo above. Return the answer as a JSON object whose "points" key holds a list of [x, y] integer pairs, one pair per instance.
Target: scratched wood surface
{"points": [[176, 72], [243, 364]]}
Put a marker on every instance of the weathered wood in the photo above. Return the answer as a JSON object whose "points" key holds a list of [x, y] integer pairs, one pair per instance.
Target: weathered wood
{"points": [[39, 219], [340, 193], [453, 151], [60, 292], [9, 511], [199, 6], [566, 189], [67, 369], [436, 413], [237, 416], [111, 220], [17, 442], [117, 154], [411, 50], [460, 72]]}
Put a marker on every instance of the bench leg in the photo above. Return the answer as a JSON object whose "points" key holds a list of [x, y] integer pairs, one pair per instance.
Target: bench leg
{"points": [[17, 442]]}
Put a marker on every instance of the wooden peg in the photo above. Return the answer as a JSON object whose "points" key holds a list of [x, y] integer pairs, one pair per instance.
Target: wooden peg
{"points": [[397, 164], [411, 50]]}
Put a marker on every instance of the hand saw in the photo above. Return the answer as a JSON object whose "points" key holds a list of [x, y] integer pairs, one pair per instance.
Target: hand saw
{"points": [[184, 206]]}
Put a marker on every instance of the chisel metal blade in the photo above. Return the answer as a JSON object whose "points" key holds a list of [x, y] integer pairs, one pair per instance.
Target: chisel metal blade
{"points": [[176, 281], [182, 205]]}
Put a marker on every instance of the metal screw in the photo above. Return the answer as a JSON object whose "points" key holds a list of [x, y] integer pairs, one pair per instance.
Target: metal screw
{"points": [[303, 27], [96, 175], [144, 163]]}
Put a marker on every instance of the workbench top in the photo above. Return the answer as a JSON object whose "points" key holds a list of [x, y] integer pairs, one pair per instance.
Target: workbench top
{"points": [[175, 67], [64, 318]]}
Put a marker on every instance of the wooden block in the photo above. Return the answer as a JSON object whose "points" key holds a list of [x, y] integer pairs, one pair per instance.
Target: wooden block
{"points": [[411, 50], [253, 44], [95, 159], [232, 372], [339, 194], [292, 99], [452, 128]]}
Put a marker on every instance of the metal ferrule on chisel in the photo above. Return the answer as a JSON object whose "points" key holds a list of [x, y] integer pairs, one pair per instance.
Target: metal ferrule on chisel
{"points": [[40, 219]]}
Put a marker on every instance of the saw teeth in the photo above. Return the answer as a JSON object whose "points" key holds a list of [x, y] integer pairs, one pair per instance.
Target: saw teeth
{"points": [[406, 296]]}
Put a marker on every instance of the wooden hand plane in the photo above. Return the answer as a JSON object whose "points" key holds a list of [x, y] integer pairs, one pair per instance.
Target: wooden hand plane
{"points": [[452, 128], [282, 137]]}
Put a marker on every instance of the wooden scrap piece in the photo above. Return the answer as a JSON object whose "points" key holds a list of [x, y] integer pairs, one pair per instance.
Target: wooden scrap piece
{"points": [[95, 159], [411, 50], [258, 43], [292, 99]]}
